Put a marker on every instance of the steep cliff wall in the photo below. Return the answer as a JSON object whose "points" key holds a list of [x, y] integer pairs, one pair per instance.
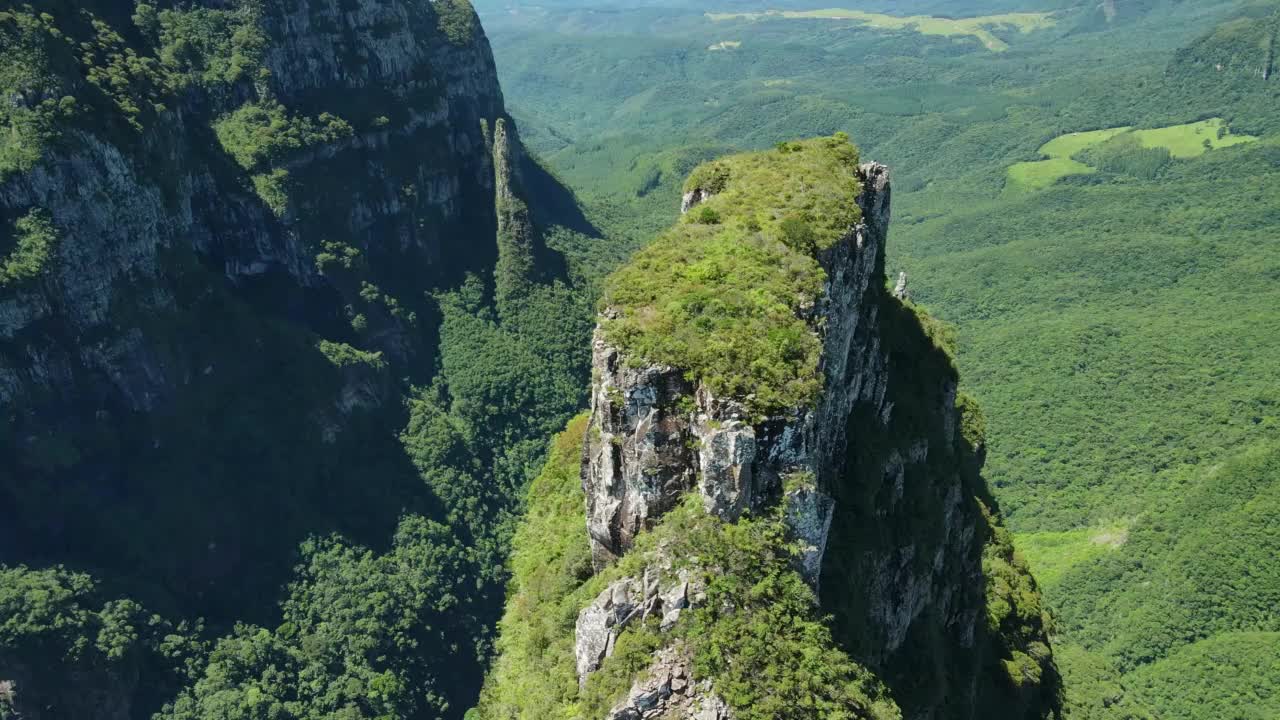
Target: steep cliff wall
{"points": [[311, 167], [359, 127], [1243, 47], [1233, 65], [848, 465], [231, 233]]}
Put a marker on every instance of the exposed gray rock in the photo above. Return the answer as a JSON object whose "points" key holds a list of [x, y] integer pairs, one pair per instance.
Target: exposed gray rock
{"points": [[900, 288], [600, 623], [726, 455], [639, 455], [8, 694], [808, 514], [667, 690], [694, 198], [626, 601], [118, 216]]}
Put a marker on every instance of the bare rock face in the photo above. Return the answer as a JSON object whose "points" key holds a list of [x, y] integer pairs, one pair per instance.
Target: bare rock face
{"points": [[900, 287], [694, 198], [667, 690], [727, 451], [654, 436], [600, 623], [808, 512], [624, 602], [639, 449]]}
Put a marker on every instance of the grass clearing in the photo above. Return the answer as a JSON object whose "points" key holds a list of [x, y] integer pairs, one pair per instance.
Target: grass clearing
{"points": [[1064, 146], [1038, 175], [1193, 139], [1186, 141], [1052, 554], [978, 27]]}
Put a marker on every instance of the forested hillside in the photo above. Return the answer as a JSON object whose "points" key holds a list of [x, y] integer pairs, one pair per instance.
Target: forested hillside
{"points": [[1093, 202], [292, 298], [286, 316]]}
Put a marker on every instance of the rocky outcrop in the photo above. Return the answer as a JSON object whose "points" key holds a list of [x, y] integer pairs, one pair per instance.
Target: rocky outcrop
{"points": [[694, 198], [900, 287], [654, 435], [639, 454], [875, 466], [517, 240], [808, 512], [667, 690], [626, 601]]}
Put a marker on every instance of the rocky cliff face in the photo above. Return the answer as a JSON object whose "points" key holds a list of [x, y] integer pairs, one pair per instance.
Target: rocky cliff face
{"points": [[409, 172], [342, 168], [222, 228], [876, 483], [655, 435], [1241, 49]]}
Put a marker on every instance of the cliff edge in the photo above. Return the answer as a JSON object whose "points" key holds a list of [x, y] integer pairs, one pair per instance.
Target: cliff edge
{"points": [[784, 511]]}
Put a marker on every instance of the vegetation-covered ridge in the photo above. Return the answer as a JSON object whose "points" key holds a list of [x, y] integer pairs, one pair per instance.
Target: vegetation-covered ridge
{"points": [[758, 637], [725, 293]]}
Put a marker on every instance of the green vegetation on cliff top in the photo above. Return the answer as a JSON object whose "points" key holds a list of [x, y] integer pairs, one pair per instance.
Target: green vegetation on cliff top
{"points": [[722, 294], [757, 637]]}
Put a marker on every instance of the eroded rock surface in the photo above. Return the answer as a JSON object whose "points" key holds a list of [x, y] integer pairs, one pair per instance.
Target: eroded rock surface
{"points": [[693, 198], [120, 214]]}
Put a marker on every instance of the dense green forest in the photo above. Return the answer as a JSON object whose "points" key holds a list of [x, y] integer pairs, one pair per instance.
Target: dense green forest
{"points": [[1115, 291], [363, 310], [307, 513]]}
